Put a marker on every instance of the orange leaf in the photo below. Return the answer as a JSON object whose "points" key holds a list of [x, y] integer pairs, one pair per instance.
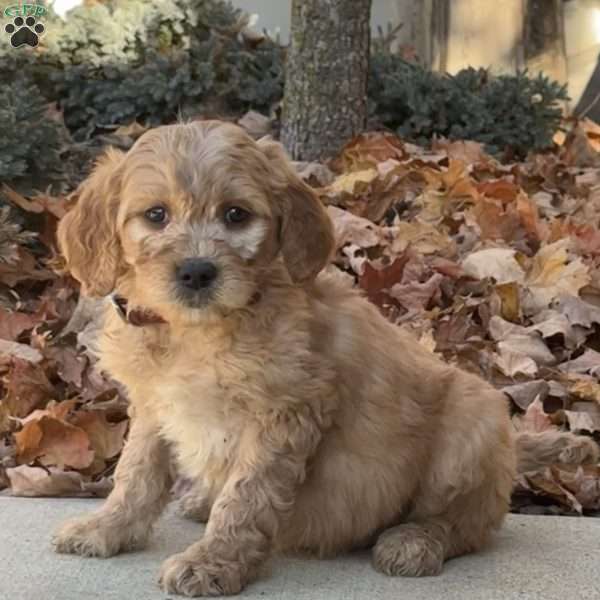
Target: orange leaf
{"points": [[530, 218], [500, 189], [54, 442], [106, 438]]}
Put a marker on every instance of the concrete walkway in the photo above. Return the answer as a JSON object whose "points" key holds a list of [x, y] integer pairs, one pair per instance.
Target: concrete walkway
{"points": [[545, 558]]}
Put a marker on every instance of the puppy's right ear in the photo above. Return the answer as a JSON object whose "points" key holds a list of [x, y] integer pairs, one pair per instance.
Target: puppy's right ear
{"points": [[87, 234], [307, 239]]}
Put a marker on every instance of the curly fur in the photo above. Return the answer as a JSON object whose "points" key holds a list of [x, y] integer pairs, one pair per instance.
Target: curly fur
{"points": [[309, 422]]}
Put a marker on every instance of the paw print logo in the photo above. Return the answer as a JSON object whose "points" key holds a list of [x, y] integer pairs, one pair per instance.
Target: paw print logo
{"points": [[24, 32]]}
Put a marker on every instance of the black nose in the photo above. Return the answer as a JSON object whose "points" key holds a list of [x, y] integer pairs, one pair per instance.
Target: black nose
{"points": [[196, 273]]}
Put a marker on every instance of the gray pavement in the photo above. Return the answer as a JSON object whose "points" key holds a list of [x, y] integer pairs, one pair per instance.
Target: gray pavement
{"points": [[543, 558]]}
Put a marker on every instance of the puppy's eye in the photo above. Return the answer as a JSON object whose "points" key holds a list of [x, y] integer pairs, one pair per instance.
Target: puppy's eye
{"points": [[235, 215], [156, 215]]}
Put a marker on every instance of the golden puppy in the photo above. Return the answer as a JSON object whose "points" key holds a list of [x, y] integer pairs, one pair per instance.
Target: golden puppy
{"points": [[308, 421]]}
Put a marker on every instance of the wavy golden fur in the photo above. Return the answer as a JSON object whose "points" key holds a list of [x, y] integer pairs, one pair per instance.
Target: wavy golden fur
{"points": [[307, 421]]}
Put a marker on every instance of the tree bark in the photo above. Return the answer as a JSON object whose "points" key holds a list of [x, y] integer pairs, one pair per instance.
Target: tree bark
{"points": [[325, 100], [544, 38]]}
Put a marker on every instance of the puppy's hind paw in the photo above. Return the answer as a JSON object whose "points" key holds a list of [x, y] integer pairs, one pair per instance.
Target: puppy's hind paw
{"points": [[408, 550]]}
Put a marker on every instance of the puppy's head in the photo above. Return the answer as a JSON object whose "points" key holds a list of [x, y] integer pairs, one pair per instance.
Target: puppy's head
{"points": [[191, 218]]}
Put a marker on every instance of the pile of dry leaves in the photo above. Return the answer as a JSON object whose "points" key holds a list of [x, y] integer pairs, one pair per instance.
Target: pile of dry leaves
{"points": [[62, 424], [495, 267]]}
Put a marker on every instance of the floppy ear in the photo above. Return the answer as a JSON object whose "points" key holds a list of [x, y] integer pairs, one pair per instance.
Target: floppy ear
{"points": [[307, 239], [87, 235]]}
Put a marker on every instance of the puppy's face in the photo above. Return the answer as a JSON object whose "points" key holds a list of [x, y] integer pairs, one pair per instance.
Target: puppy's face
{"points": [[196, 221], [191, 218]]}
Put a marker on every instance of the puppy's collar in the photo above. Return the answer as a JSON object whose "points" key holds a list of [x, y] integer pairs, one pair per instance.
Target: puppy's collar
{"points": [[137, 316], [144, 316]]}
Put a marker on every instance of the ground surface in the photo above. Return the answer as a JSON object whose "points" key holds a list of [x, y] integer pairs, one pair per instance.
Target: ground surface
{"points": [[532, 558]]}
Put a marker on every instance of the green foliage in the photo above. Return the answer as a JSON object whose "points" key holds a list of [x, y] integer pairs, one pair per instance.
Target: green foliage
{"points": [[29, 141], [511, 114], [153, 60], [153, 93], [149, 60], [125, 31]]}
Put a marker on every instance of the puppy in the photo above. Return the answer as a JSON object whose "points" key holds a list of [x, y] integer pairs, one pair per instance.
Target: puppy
{"points": [[307, 420]]}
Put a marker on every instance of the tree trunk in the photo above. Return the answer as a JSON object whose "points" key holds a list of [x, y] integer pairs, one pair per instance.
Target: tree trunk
{"points": [[544, 38], [325, 100]]}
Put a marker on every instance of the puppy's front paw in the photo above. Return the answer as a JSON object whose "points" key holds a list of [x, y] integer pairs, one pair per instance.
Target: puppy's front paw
{"points": [[201, 574], [95, 536]]}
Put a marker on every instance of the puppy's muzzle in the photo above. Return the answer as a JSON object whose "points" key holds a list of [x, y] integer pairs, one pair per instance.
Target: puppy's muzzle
{"points": [[196, 275]]}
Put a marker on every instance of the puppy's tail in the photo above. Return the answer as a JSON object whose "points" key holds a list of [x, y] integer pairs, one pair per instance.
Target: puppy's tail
{"points": [[537, 450]]}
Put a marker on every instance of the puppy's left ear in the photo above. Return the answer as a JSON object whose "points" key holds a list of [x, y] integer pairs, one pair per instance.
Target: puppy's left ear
{"points": [[87, 235], [307, 239]]}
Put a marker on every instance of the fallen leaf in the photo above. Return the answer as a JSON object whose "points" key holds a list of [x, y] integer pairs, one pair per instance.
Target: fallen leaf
{"points": [[453, 182], [13, 324], [415, 295], [553, 274], [587, 389], [583, 481], [26, 387], [70, 365], [500, 189], [530, 218], [550, 323], [510, 303], [578, 151], [106, 438], [498, 264], [496, 221], [368, 150], [586, 237], [446, 267], [523, 394], [24, 268], [21, 351], [315, 174], [376, 282], [577, 311], [515, 339], [514, 363], [535, 419], [356, 257], [457, 330], [467, 151], [588, 363], [4, 418], [54, 442], [421, 237], [133, 130], [30, 481], [352, 183], [583, 420], [543, 483], [351, 229]]}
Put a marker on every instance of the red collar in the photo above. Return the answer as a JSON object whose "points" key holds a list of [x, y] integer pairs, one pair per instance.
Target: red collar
{"points": [[138, 316], [144, 316]]}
